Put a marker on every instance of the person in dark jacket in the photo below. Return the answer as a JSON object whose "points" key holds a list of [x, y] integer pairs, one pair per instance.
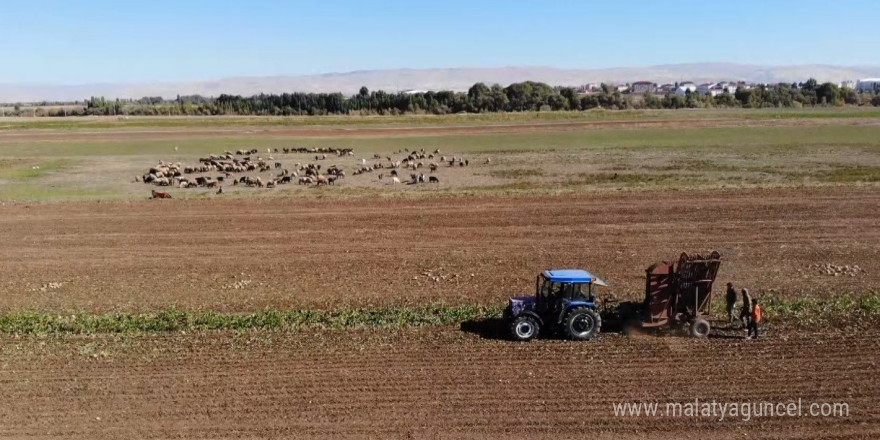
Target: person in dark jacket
{"points": [[745, 315], [731, 301]]}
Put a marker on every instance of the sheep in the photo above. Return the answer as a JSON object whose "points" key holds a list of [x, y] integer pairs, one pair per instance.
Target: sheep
{"points": [[395, 180], [488, 160], [433, 179], [432, 167], [160, 195]]}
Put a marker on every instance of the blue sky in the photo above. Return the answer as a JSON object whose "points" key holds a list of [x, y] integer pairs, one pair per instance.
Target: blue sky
{"points": [[70, 42]]}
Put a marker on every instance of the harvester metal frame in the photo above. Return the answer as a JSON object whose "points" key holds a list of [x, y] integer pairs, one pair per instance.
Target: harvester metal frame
{"points": [[680, 293]]}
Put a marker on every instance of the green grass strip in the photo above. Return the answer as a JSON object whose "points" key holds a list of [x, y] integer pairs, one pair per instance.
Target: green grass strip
{"points": [[174, 320], [842, 311]]}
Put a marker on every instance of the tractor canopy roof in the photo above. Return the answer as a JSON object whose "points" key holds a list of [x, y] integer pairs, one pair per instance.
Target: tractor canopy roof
{"points": [[572, 276]]}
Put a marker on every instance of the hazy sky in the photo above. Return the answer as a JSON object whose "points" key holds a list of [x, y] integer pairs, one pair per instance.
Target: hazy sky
{"points": [[69, 42]]}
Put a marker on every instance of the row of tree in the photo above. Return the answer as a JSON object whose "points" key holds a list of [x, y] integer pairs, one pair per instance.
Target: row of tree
{"points": [[517, 97]]}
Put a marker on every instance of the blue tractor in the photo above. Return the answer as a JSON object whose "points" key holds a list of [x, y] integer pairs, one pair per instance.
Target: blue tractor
{"points": [[564, 300]]}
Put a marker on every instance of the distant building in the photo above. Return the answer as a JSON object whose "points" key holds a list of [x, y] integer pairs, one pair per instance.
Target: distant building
{"points": [[622, 88], [704, 88], [868, 85], [641, 87], [666, 89], [686, 87], [847, 84], [717, 89], [589, 88]]}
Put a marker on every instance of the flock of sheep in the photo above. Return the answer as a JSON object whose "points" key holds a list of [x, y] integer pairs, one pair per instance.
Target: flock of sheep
{"points": [[173, 174], [414, 161]]}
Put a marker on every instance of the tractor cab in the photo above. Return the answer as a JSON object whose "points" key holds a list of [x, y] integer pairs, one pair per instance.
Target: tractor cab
{"points": [[563, 298], [556, 286]]}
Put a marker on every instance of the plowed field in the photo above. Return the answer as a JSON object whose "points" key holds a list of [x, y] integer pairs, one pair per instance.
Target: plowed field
{"points": [[239, 255], [428, 383]]}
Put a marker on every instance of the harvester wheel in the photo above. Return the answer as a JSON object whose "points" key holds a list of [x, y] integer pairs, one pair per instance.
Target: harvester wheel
{"points": [[700, 328], [524, 328], [582, 323]]}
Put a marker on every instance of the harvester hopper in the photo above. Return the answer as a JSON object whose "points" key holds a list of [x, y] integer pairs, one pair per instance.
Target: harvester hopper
{"points": [[677, 294]]}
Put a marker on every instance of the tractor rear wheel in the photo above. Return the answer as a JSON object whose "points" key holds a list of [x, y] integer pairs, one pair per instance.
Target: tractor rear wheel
{"points": [[700, 328], [582, 324], [524, 328]]}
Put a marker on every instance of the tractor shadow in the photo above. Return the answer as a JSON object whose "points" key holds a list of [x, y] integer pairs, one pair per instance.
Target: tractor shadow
{"points": [[489, 328], [496, 329]]}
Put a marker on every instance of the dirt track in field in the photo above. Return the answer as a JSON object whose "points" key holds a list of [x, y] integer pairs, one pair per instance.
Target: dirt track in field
{"points": [[428, 383], [250, 254], [405, 130]]}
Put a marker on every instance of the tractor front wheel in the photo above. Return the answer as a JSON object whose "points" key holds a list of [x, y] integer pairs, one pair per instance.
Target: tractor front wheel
{"points": [[582, 324], [524, 328]]}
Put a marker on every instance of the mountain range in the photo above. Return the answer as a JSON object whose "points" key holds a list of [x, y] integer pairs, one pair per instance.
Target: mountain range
{"points": [[459, 79]]}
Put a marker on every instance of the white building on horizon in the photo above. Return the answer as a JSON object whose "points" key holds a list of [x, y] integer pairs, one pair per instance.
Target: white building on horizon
{"points": [[685, 87], [868, 85]]}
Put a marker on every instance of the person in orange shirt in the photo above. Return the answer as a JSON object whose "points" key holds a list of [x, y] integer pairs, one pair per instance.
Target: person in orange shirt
{"points": [[756, 319]]}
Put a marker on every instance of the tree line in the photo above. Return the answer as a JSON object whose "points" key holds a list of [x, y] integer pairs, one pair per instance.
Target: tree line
{"points": [[480, 98]]}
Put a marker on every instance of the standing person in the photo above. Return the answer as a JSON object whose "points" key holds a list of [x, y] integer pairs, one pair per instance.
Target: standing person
{"points": [[745, 315], [756, 319], [731, 301]]}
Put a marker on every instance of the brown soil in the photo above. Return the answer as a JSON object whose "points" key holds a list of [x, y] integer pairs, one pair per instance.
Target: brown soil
{"points": [[292, 253], [404, 130], [428, 383]]}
